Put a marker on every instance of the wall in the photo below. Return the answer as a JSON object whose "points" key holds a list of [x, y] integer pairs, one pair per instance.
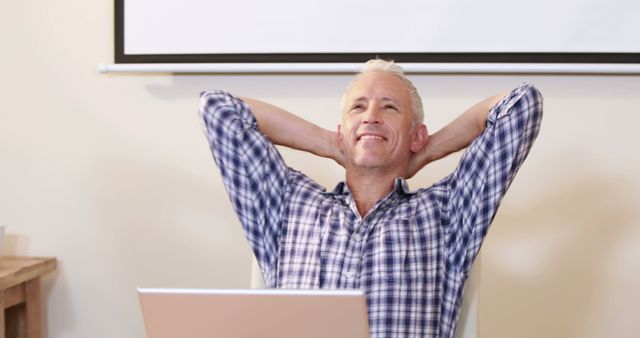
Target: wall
{"points": [[112, 175]]}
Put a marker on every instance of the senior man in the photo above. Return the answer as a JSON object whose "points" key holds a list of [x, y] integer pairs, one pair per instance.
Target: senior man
{"points": [[410, 251]]}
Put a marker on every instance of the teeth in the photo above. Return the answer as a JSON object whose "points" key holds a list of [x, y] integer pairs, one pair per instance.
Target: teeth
{"points": [[370, 137]]}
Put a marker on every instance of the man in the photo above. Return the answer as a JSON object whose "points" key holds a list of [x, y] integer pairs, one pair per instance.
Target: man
{"points": [[410, 251]]}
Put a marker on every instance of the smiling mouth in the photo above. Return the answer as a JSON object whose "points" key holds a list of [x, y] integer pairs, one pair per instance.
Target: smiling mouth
{"points": [[371, 137]]}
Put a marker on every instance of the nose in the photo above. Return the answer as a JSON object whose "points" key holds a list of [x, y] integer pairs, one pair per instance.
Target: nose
{"points": [[372, 116]]}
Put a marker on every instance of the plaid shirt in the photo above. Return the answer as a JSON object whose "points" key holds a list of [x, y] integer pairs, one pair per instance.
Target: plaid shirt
{"points": [[411, 253]]}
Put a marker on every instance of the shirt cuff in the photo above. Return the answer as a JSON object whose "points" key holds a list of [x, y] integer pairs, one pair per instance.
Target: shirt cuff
{"points": [[221, 105], [503, 108]]}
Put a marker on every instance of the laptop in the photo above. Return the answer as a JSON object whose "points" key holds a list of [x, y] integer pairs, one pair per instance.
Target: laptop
{"points": [[254, 313]]}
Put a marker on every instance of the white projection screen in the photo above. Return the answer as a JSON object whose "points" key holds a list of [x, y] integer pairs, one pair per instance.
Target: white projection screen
{"points": [[335, 31]]}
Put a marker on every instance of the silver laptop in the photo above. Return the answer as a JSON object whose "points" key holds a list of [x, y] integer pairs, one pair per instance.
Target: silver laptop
{"points": [[254, 313]]}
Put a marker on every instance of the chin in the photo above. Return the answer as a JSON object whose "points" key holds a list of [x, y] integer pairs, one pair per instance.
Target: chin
{"points": [[379, 163], [371, 163]]}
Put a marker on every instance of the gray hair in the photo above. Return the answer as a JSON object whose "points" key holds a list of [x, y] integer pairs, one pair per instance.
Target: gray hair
{"points": [[379, 65]]}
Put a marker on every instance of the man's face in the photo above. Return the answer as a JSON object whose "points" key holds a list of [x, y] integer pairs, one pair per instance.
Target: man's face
{"points": [[377, 123]]}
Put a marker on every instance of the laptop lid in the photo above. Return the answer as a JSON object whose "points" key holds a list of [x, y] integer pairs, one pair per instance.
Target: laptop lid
{"points": [[254, 313]]}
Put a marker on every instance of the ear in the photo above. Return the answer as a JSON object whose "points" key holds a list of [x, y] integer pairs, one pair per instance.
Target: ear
{"points": [[419, 138]]}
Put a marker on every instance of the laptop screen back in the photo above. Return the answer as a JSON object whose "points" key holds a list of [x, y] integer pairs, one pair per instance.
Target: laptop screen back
{"points": [[254, 313]]}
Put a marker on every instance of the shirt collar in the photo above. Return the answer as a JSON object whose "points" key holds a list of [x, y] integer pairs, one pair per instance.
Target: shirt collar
{"points": [[341, 189], [400, 187]]}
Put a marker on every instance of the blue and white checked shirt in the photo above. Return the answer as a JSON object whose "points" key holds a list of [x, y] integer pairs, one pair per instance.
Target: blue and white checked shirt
{"points": [[411, 253]]}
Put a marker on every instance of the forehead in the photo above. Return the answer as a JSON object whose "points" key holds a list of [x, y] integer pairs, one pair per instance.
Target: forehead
{"points": [[378, 85]]}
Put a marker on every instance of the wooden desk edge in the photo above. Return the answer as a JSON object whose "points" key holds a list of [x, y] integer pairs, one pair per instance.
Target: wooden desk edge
{"points": [[39, 267]]}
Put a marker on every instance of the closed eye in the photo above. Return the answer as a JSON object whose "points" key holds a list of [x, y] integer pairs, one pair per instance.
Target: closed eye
{"points": [[357, 107]]}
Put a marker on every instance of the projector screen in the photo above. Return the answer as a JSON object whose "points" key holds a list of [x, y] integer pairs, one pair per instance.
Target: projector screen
{"points": [[545, 31]]}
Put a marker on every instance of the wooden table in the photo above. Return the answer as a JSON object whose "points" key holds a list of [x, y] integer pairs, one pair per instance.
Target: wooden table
{"points": [[20, 295]]}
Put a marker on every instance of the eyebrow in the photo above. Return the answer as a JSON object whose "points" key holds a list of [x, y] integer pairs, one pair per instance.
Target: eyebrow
{"points": [[392, 99], [384, 98]]}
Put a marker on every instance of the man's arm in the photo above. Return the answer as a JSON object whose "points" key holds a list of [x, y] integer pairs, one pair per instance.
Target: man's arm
{"points": [[284, 128], [253, 172], [486, 169], [455, 136]]}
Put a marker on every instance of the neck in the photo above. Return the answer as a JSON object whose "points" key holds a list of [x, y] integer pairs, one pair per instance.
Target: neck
{"points": [[368, 187]]}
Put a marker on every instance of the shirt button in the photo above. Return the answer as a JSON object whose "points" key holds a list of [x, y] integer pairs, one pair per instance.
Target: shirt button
{"points": [[350, 274]]}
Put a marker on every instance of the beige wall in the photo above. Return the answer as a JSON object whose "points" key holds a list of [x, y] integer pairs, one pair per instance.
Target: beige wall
{"points": [[112, 175]]}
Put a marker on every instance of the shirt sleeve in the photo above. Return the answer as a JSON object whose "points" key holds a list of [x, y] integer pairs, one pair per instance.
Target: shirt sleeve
{"points": [[253, 173], [486, 170]]}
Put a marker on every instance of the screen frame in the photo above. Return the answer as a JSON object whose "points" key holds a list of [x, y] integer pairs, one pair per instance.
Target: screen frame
{"points": [[120, 57]]}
